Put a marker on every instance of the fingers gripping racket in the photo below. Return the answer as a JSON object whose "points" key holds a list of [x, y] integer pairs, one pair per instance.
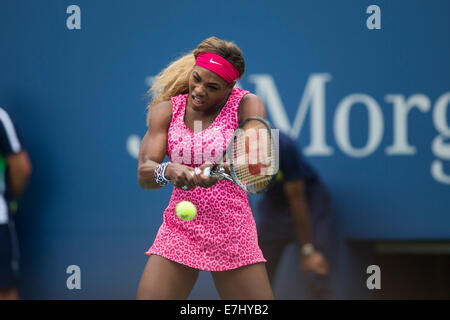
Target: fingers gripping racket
{"points": [[251, 156]]}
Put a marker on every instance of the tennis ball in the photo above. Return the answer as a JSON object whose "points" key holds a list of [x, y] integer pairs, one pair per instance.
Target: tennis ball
{"points": [[186, 210]]}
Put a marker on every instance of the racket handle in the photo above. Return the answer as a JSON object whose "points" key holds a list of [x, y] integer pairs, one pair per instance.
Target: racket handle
{"points": [[207, 172]]}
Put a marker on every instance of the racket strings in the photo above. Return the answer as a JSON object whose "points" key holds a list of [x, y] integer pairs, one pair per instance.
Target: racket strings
{"points": [[255, 156]]}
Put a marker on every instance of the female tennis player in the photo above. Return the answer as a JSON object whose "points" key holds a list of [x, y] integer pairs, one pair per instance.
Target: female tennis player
{"points": [[192, 117]]}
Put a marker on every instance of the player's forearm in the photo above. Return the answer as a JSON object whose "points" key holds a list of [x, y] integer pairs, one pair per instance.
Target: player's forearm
{"points": [[146, 176]]}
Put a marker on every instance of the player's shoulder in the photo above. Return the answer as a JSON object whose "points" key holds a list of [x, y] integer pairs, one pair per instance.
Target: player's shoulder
{"points": [[251, 98], [162, 107], [160, 113], [251, 105]]}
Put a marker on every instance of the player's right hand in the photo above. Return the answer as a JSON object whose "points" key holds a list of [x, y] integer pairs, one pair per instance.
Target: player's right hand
{"points": [[181, 175]]}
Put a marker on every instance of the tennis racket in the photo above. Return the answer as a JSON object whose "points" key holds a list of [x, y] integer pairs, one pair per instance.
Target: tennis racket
{"points": [[251, 157]]}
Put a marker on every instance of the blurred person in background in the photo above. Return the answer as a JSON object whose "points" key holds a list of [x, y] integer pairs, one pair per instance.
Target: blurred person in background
{"points": [[297, 209], [15, 170]]}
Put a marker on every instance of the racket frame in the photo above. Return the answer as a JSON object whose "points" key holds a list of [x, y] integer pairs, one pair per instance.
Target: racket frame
{"points": [[232, 176]]}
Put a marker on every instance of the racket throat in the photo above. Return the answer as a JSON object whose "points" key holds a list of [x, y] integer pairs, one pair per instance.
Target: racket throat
{"points": [[220, 171]]}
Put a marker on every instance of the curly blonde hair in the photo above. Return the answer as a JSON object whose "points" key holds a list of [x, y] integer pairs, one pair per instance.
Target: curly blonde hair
{"points": [[174, 79]]}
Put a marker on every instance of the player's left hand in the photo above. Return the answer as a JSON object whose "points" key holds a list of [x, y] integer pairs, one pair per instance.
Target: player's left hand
{"points": [[202, 180], [314, 262]]}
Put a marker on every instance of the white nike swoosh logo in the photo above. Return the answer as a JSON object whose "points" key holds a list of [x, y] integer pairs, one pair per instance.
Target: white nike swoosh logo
{"points": [[212, 61]]}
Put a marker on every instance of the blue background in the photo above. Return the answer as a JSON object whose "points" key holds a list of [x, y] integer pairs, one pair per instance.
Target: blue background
{"points": [[77, 95]]}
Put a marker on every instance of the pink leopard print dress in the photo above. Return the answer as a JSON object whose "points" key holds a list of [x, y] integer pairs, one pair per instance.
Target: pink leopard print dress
{"points": [[223, 234]]}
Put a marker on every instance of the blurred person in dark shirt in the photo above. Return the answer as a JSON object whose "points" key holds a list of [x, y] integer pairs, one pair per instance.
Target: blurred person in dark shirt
{"points": [[297, 209], [15, 169]]}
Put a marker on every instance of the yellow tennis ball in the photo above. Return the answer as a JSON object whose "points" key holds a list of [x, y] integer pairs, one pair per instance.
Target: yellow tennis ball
{"points": [[186, 210]]}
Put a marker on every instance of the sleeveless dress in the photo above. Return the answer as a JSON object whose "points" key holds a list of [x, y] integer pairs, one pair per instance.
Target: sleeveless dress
{"points": [[223, 234]]}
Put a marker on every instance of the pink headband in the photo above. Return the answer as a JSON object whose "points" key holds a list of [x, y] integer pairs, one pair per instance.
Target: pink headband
{"points": [[218, 65]]}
